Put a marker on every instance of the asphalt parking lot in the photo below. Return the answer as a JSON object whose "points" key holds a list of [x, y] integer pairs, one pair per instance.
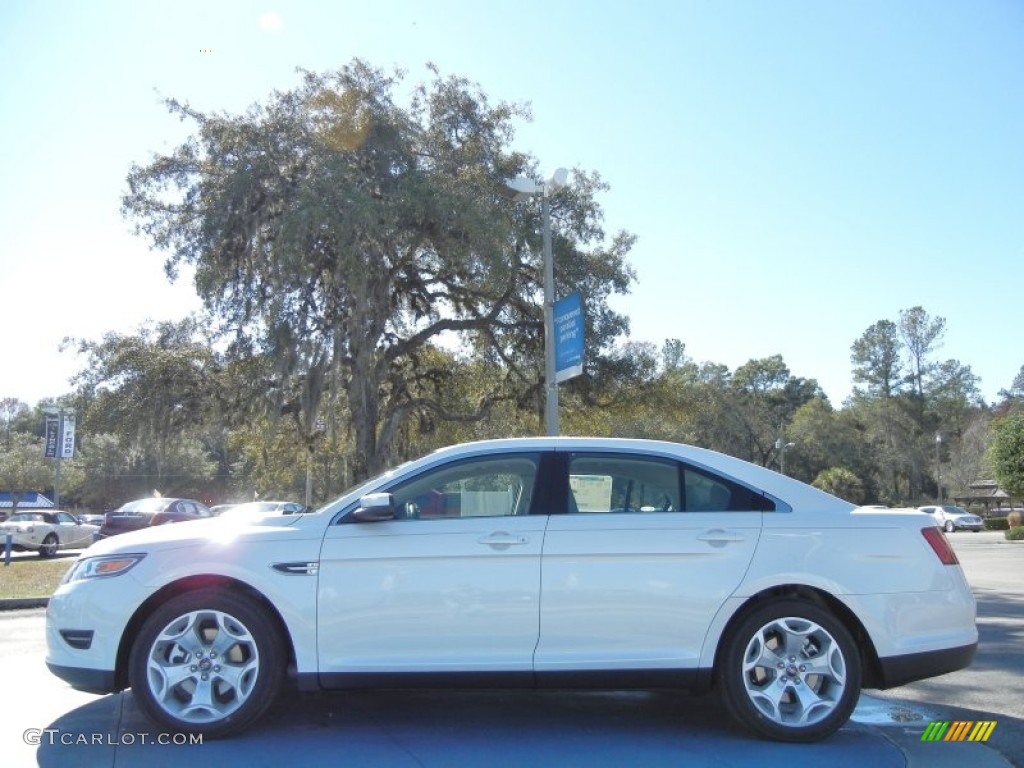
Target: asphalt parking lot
{"points": [[445, 729]]}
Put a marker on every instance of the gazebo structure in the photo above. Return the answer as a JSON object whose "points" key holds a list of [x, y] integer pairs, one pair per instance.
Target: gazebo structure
{"points": [[985, 492]]}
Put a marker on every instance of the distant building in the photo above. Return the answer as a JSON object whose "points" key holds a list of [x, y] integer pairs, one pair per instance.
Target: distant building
{"points": [[31, 500]]}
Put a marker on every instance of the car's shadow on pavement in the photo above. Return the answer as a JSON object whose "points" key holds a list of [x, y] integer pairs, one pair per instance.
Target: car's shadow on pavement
{"points": [[459, 728]]}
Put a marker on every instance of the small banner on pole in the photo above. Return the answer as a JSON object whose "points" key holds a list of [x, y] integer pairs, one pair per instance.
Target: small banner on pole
{"points": [[568, 316], [67, 437], [52, 427]]}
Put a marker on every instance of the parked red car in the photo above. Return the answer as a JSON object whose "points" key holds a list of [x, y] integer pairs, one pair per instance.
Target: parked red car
{"points": [[155, 510]]}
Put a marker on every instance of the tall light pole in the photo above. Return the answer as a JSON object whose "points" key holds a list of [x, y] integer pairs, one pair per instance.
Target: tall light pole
{"points": [[524, 188], [781, 447], [938, 464], [320, 425]]}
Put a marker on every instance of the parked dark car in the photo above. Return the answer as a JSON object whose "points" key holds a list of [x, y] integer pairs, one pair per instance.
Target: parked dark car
{"points": [[156, 510]]}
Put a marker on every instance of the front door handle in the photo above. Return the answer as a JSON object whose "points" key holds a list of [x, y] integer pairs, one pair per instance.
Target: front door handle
{"points": [[718, 536]]}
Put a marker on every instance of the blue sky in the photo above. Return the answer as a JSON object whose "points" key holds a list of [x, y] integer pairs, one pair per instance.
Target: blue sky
{"points": [[794, 171]]}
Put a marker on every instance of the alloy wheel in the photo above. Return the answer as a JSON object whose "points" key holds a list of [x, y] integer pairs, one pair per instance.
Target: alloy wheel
{"points": [[794, 671], [202, 666]]}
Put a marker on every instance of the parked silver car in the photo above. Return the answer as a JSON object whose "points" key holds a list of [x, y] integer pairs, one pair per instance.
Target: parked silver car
{"points": [[952, 518], [257, 508]]}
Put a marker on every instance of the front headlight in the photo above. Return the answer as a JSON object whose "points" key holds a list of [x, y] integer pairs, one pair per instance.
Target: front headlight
{"points": [[96, 567]]}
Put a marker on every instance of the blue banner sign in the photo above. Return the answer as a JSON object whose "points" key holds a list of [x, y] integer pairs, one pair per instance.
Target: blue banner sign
{"points": [[568, 316], [52, 427]]}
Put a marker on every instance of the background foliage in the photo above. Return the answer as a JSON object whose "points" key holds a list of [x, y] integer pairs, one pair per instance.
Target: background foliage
{"points": [[371, 294]]}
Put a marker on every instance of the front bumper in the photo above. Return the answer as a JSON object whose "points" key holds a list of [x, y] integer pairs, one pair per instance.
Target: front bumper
{"points": [[968, 526], [100, 681], [85, 621]]}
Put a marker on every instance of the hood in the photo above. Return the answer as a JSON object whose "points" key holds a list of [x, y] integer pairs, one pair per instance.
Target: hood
{"points": [[195, 532]]}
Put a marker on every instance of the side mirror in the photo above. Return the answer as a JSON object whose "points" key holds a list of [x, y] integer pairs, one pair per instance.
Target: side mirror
{"points": [[375, 507]]}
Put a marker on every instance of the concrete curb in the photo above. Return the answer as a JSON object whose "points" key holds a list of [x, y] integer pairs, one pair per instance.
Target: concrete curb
{"points": [[15, 603]]}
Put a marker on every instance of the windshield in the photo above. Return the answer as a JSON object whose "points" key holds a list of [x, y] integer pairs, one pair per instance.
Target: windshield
{"points": [[956, 510]]}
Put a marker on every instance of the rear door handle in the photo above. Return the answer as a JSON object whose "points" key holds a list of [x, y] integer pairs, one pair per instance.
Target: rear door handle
{"points": [[502, 540]]}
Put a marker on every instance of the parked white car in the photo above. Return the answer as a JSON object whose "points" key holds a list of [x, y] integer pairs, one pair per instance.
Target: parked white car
{"points": [[951, 518], [252, 509], [46, 532], [536, 562]]}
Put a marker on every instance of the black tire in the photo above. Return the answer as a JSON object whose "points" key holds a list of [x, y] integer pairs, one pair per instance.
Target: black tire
{"points": [[225, 649], [816, 653], [949, 526], [49, 546]]}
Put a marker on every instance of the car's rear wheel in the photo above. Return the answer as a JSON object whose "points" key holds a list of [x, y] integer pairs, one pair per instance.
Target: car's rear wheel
{"points": [[790, 671], [49, 546], [207, 662]]}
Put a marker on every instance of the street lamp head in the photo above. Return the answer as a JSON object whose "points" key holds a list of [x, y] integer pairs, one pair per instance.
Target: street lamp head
{"points": [[558, 180], [938, 437], [522, 188]]}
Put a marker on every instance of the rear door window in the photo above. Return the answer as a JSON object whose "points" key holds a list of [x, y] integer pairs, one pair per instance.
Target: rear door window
{"points": [[609, 483]]}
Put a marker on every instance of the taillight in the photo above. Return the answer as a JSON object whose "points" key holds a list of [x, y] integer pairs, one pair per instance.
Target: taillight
{"points": [[157, 519], [937, 539]]}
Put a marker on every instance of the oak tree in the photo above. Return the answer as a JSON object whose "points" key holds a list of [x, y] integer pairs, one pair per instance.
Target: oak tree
{"points": [[344, 235]]}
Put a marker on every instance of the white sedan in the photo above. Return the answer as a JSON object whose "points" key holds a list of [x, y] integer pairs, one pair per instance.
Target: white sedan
{"points": [[542, 562], [46, 532]]}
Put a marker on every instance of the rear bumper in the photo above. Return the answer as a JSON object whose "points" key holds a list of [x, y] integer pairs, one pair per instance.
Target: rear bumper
{"points": [[899, 670], [21, 543]]}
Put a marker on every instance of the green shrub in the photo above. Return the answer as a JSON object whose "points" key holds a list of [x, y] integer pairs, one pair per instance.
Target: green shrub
{"points": [[1015, 534], [996, 524]]}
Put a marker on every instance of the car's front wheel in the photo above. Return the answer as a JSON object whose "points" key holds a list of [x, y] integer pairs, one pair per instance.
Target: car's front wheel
{"points": [[49, 546], [208, 662], [790, 671], [949, 526]]}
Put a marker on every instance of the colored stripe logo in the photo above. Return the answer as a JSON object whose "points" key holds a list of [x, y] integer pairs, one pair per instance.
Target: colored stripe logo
{"points": [[958, 730]]}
